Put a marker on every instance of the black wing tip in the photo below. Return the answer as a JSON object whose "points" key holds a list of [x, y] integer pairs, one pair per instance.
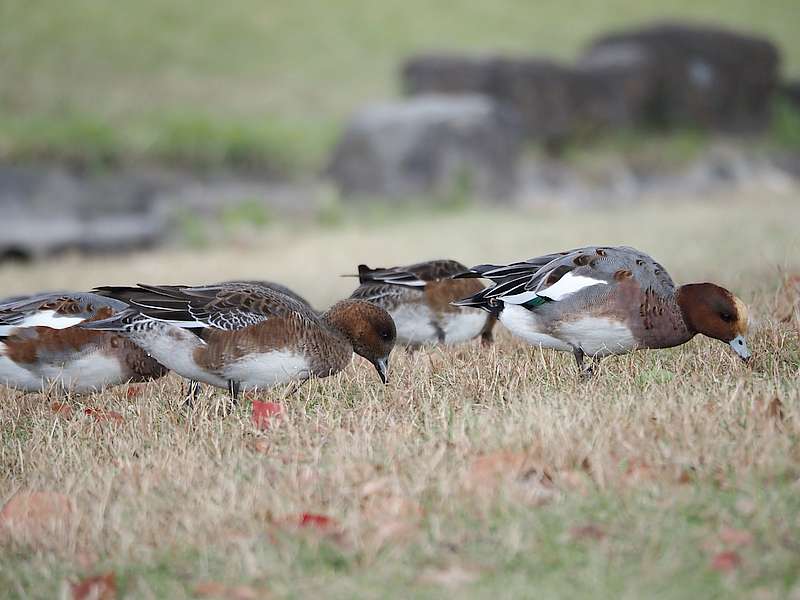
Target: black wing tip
{"points": [[469, 274]]}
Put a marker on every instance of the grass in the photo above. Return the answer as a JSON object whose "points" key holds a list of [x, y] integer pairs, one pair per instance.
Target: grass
{"points": [[266, 83], [483, 472]]}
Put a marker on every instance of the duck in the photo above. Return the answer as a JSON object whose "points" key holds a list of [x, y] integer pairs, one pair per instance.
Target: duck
{"points": [[247, 336], [41, 347], [420, 297], [598, 301]]}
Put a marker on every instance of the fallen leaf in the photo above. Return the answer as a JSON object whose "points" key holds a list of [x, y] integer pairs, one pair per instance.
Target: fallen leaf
{"points": [[134, 391], [453, 576], [314, 520], [775, 409], [215, 589], [735, 537], [62, 409], [264, 413], [34, 514], [590, 531], [725, 562], [99, 587], [261, 446], [100, 415]]}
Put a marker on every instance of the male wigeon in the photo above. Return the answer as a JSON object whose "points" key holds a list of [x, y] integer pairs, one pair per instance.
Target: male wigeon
{"points": [[243, 336], [597, 301], [41, 347], [420, 298]]}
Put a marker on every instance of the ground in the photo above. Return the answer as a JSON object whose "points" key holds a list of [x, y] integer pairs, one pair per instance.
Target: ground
{"points": [[270, 83], [487, 472]]}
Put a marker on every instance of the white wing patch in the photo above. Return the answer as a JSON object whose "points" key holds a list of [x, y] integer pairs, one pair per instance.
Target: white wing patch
{"points": [[49, 318], [568, 285]]}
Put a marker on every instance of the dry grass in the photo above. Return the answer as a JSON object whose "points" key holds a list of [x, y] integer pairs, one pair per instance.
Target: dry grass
{"points": [[492, 472]]}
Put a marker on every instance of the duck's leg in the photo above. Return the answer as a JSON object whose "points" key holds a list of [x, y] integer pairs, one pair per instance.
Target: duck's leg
{"points": [[191, 394], [586, 372], [234, 388]]}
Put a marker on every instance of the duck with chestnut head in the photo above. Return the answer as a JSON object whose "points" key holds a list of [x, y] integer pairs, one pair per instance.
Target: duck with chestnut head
{"points": [[247, 336], [598, 301]]}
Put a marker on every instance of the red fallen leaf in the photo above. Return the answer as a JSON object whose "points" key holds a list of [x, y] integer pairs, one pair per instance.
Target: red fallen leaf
{"points": [[99, 587], [62, 409], [264, 413], [725, 562], [134, 391], [315, 520], [215, 589], [735, 537], [32, 513], [104, 415]]}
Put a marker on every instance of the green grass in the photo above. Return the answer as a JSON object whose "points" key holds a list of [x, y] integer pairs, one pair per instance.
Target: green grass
{"points": [[263, 83]]}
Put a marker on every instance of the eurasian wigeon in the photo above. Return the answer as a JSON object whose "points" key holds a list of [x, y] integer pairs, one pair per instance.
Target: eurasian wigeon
{"points": [[597, 301], [41, 347], [244, 336], [420, 298]]}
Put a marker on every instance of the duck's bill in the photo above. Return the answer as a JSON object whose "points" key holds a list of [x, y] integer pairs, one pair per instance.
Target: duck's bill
{"points": [[739, 345], [382, 367]]}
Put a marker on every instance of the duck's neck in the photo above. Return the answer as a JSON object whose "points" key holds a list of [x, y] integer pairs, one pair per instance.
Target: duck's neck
{"points": [[339, 318]]}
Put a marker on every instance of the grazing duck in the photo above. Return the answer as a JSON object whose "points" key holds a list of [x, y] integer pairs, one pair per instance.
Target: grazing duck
{"points": [[41, 347], [420, 299], [244, 336], [597, 301]]}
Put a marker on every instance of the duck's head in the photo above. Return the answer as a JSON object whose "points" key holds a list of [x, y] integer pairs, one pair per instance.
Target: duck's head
{"points": [[368, 328], [714, 311]]}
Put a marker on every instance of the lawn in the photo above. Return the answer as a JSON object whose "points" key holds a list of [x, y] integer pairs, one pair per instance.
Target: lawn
{"points": [[270, 82], [477, 472]]}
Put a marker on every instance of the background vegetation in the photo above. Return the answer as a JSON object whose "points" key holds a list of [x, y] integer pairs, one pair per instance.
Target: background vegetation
{"points": [[267, 84]]}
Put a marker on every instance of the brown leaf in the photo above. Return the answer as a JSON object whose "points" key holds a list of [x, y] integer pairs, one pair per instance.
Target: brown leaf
{"points": [[100, 415], [775, 409], [725, 562], [99, 587], [590, 531], [260, 445], [735, 537], [34, 514], [62, 409]]}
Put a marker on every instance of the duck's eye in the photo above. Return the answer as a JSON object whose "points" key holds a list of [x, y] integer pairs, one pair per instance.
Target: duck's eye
{"points": [[727, 317]]}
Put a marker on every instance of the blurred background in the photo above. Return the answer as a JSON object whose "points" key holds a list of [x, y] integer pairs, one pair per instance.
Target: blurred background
{"points": [[198, 126]]}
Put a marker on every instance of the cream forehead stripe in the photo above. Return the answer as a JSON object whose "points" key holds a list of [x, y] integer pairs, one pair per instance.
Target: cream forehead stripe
{"points": [[742, 312]]}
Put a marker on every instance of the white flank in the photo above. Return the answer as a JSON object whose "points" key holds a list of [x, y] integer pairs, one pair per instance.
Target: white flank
{"points": [[414, 323], [520, 298], [15, 376], [92, 371], [268, 369], [49, 318], [464, 325], [598, 336], [567, 285], [525, 324], [174, 348]]}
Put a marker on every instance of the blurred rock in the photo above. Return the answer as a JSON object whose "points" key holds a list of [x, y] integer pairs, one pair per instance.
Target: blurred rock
{"points": [[666, 75], [47, 210], [693, 75], [429, 145]]}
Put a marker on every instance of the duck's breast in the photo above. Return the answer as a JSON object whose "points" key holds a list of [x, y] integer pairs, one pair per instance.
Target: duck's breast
{"points": [[267, 369], [463, 325]]}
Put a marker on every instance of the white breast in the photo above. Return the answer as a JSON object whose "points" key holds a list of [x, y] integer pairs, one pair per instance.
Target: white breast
{"points": [[525, 324], [598, 336], [267, 369]]}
